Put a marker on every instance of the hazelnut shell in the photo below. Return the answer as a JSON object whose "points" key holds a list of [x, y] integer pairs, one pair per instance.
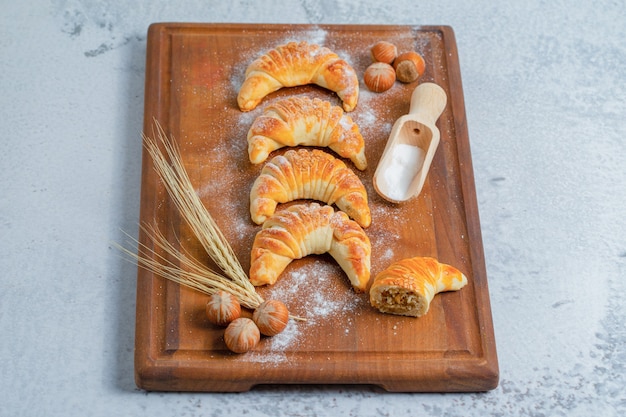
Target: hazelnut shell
{"points": [[384, 51], [379, 77], [222, 308], [271, 317], [242, 335], [409, 66]]}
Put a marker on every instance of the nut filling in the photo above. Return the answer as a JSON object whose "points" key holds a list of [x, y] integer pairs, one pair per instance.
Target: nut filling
{"points": [[400, 301], [408, 286]]}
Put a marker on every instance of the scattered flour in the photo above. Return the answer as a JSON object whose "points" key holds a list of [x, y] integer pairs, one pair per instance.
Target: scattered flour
{"points": [[311, 285], [275, 348], [310, 293], [310, 290]]}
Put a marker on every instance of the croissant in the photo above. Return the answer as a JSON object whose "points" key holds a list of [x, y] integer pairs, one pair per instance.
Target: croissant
{"points": [[302, 230], [304, 121], [306, 174], [408, 286], [294, 64]]}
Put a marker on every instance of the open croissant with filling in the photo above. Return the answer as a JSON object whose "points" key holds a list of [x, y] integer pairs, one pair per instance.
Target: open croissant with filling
{"points": [[408, 286]]}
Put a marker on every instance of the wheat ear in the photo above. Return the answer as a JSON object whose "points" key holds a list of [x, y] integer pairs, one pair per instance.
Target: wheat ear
{"points": [[169, 166]]}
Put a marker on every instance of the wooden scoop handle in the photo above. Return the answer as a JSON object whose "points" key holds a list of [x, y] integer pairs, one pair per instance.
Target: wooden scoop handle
{"points": [[427, 103]]}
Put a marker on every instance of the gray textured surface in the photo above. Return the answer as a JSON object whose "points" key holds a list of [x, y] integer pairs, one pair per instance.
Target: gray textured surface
{"points": [[545, 92]]}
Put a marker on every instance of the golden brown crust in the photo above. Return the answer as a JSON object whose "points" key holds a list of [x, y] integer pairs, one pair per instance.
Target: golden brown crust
{"points": [[301, 120], [306, 229], [298, 63], [407, 287], [308, 174]]}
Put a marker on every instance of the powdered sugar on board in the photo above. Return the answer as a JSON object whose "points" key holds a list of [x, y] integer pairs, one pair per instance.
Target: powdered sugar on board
{"points": [[315, 284], [316, 291], [314, 288]]}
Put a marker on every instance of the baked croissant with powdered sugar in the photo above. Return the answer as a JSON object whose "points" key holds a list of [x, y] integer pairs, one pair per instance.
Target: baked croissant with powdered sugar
{"points": [[294, 64], [305, 229], [308, 174], [301, 120]]}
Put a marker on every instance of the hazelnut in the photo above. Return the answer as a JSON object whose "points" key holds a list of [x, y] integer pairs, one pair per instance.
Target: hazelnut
{"points": [[222, 308], [241, 335], [409, 66], [384, 51], [379, 77], [271, 317]]}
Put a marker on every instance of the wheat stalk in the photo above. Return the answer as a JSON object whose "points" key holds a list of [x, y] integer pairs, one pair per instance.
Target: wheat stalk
{"points": [[190, 272], [191, 208]]}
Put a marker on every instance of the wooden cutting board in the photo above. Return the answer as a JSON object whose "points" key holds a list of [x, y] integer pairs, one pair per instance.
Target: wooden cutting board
{"points": [[193, 74]]}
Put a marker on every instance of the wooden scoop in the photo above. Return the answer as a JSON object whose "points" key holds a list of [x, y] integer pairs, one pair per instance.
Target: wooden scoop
{"points": [[412, 143]]}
